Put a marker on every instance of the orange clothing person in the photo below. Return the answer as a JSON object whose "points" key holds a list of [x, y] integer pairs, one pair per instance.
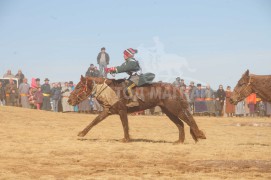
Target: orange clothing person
{"points": [[251, 102]]}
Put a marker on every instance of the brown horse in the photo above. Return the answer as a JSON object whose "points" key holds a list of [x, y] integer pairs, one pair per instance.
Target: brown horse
{"points": [[249, 83], [169, 98]]}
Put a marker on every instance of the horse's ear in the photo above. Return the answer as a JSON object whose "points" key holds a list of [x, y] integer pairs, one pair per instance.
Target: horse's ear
{"points": [[82, 78], [247, 73]]}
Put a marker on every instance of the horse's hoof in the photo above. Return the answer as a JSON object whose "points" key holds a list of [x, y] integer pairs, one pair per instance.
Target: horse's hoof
{"points": [[177, 142], [124, 140], [81, 134]]}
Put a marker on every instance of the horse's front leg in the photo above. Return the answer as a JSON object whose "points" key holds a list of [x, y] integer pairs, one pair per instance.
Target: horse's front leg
{"points": [[97, 120], [124, 121]]}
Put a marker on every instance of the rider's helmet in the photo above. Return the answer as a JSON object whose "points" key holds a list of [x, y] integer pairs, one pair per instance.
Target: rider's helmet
{"points": [[129, 53]]}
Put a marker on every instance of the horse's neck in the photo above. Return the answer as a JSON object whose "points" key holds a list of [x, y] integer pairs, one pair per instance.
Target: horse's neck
{"points": [[97, 80], [262, 86]]}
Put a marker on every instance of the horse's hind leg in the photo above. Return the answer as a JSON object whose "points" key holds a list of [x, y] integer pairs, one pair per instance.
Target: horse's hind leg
{"points": [[185, 115], [97, 120], [178, 123], [124, 121]]}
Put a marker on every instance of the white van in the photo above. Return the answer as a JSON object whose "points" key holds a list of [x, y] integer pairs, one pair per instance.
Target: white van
{"points": [[5, 81]]}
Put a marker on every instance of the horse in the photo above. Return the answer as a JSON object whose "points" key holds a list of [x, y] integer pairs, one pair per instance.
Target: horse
{"points": [[165, 95], [250, 83]]}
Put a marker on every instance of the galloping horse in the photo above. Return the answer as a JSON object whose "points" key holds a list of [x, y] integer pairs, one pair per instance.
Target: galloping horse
{"points": [[259, 84], [165, 95]]}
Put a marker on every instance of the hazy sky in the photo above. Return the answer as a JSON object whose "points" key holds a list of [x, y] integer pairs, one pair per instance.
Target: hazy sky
{"points": [[206, 41]]}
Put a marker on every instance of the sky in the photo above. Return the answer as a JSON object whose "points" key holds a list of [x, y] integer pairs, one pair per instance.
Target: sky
{"points": [[206, 41]]}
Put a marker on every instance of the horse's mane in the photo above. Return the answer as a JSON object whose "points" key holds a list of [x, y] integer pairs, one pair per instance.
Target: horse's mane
{"points": [[118, 82], [260, 76]]}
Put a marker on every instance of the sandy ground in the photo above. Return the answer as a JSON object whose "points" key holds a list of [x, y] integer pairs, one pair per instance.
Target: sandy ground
{"points": [[44, 145]]}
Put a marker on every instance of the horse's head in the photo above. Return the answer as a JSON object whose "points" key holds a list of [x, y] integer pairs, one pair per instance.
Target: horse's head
{"points": [[81, 92], [242, 89]]}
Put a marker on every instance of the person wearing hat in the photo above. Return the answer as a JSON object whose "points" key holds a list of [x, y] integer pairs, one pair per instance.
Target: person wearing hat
{"points": [[130, 66], [46, 92], [103, 60]]}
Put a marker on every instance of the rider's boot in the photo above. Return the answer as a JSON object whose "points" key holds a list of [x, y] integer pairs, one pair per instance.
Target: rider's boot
{"points": [[132, 97]]}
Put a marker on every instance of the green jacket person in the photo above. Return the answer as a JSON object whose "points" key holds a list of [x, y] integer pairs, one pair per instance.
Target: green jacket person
{"points": [[130, 66]]}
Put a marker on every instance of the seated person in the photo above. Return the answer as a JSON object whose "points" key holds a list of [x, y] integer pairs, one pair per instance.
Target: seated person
{"points": [[131, 67], [92, 71]]}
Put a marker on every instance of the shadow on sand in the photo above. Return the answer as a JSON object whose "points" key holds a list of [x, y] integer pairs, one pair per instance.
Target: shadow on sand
{"points": [[120, 140]]}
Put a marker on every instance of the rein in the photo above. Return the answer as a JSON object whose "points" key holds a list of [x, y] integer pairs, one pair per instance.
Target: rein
{"points": [[94, 93]]}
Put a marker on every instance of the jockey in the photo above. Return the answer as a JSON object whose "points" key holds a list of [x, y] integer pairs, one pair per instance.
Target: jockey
{"points": [[131, 67]]}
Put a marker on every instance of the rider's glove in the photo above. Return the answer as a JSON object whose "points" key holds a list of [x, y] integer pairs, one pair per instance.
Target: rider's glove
{"points": [[110, 70]]}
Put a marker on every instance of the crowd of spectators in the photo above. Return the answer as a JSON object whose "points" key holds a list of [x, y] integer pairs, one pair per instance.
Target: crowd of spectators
{"points": [[49, 97], [54, 96], [206, 101], [16, 91]]}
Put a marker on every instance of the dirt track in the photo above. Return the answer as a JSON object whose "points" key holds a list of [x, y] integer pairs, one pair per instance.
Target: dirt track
{"points": [[44, 145]]}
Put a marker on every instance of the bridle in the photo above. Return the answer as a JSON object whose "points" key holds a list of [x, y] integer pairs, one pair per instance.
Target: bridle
{"points": [[83, 90], [94, 91], [244, 90]]}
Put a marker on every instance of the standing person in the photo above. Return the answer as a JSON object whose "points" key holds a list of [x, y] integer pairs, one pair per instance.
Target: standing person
{"points": [[75, 108], [251, 102], [192, 90], [230, 108], [33, 89], [103, 60], [56, 95], [20, 76], [46, 92], [240, 109], [221, 98], [186, 93], [66, 91], [182, 83], [38, 82], [11, 93], [2, 95], [209, 99], [9, 74], [268, 109], [60, 108], [24, 93], [13, 98], [38, 98], [261, 109], [199, 100]]}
